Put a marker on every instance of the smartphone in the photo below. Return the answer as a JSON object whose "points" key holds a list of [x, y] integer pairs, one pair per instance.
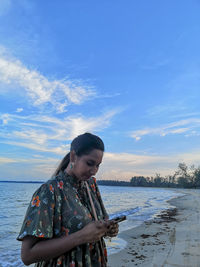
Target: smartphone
{"points": [[119, 219]]}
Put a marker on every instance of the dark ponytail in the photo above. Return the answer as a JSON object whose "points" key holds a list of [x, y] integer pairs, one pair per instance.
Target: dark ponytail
{"points": [[82, 145], [63, 165]]}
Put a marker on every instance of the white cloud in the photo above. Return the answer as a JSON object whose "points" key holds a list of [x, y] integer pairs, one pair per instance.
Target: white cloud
{"points": [[57, 150], [132, 159], [123, 166], [182, 96], [4, 160], [41, 90], [29, 160], [44, 133], [80, 124], [5, 118], [37, 137], [115, 166], [19, 110], [28, 168], [171, 128], [50, 134], [190, 158], [168, 109]]}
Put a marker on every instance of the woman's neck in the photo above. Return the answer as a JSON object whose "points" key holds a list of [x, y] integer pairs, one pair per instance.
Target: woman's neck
{"points": [[70, 172]]}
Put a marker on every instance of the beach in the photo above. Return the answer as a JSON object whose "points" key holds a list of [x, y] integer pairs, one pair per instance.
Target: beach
{"points": [[170, 239], [139, 204]]}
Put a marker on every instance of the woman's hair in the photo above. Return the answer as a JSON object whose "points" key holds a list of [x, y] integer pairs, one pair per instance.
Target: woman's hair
{"points": [[82, 145]]}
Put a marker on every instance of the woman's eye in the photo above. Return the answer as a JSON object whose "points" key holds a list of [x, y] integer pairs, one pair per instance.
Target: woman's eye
{"points": [[91, 164]]}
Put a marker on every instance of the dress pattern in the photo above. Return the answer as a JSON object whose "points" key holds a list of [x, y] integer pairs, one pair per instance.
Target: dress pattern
{"points": [[59, 207]]}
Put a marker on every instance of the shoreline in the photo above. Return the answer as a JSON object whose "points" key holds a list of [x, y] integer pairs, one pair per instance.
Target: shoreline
{"points": [[170, 239]]}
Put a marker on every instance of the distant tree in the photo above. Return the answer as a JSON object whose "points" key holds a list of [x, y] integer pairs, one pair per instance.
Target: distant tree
{"points": [[184, 176], [183, 168], [149, 181], [158, 180], [183, 182], [197, 178], [170, 181], [113, 182], [138, 181]]}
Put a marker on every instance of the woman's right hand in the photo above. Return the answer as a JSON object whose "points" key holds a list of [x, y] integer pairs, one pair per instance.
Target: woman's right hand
{"points": [[43, 249], [93, 231]]}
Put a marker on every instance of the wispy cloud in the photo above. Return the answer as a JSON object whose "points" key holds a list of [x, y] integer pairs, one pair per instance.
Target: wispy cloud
{"points": [[123, 166], [28, 168], [4, 160], [36, 160], [181, 95], [133, 159], [4, 119], [107, 95], [183, 126], [19, 110], [40, 89], [50, 134], [168, 109]]}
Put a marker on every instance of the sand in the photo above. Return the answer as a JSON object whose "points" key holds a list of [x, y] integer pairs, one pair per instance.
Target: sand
{"points": [[172, 239]]}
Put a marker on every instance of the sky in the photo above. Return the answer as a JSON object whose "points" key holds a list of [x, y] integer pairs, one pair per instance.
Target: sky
{"points": [[126, 70]]}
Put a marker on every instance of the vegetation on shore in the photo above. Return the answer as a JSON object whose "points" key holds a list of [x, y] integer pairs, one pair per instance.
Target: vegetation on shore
{"points": [[184, 177]]}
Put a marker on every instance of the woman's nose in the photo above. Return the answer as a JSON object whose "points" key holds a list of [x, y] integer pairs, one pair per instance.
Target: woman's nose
{"points": [[93, 170]]}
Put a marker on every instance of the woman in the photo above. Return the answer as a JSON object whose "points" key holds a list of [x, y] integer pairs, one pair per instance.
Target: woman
{"points": [[59, 228]]}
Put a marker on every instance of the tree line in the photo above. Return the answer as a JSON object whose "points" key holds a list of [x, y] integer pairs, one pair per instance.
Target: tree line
{"points": [[184, 177]]}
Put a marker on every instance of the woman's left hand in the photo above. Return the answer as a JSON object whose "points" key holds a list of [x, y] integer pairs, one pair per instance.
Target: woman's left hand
{"points": [[113, 229]]}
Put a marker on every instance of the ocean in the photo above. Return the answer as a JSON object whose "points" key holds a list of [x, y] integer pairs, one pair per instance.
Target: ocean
{"points": [[139, 204]]}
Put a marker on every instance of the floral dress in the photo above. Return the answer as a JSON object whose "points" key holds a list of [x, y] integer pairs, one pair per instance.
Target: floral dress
{"points": [[59, 207]]}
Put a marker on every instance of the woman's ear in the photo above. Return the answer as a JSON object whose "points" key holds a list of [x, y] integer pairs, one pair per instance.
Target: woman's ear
{"points": [[72, 156]]}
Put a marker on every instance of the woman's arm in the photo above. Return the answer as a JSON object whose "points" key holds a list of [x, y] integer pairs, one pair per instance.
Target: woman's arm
{"points": [[35, 250]]}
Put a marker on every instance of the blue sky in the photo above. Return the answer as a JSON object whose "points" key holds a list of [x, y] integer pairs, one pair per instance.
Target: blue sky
{"points": [[128, 71]]}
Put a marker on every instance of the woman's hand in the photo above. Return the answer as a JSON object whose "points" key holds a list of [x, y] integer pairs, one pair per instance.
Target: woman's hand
{"points": [[93, 231], [113, 229], [38, 249]]}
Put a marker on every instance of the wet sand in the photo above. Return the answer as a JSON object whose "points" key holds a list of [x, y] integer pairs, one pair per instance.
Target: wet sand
{"points": [[172, 239]]}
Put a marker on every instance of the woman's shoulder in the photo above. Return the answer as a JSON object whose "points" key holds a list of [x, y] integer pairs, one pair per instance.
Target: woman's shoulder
{"points": [[51, 185], [56, 182]]}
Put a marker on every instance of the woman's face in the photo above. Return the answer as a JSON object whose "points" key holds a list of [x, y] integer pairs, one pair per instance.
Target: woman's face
{"points": [[86, 166]]}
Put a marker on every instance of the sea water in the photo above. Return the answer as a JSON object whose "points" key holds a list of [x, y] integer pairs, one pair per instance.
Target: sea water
{"points": [[139, 204]]}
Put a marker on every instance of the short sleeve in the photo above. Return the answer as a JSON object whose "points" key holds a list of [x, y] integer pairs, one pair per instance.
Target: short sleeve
{"points": [[38, 220]]}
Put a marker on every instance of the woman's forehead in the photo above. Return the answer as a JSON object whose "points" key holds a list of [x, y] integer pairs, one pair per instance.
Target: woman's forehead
{"points": [[95, 154]]}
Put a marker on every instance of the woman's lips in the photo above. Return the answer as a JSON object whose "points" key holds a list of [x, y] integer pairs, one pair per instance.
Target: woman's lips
{"points": [[86, 177]]}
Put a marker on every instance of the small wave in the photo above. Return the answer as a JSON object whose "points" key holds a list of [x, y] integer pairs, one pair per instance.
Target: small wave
{"points": [[147, 204], [3, 217], [9, 260]]}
